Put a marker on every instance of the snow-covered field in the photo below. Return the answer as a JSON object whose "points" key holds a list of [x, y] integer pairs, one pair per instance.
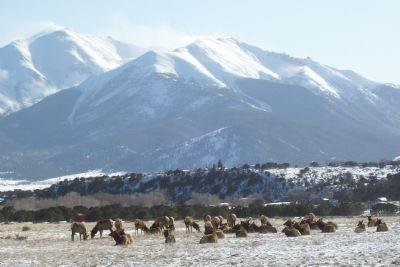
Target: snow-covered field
{"points": [[49, 244], [11, 184]]}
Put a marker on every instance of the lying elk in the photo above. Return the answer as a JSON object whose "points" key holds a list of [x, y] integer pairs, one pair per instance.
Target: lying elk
{"points": [[264, 220], [304, 228], [360, 227], [327, 227], [209, 238], [381, 226], [100, 226], [121, 238], [78, 227], [290, 231]]}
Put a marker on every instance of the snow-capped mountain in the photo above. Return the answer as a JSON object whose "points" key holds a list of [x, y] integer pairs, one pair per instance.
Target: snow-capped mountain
{"points": [[33, 68], [216, 98]]}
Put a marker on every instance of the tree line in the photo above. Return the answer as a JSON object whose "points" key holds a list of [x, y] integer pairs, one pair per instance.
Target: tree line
{"points": [[130, 213]]}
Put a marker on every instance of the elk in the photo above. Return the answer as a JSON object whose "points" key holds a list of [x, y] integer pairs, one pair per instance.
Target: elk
{"points": [[371, 222], [207, 218], [327, 227], [291, 231], [169, 236], [121, 238], [100, 226], [190, 224], [241, 232], [118, 225], [78, 227], [381, 226], [264, 220], [139, 224], [162, 222], [360, 227], [231, 219], [304, 228], [209, 238]]}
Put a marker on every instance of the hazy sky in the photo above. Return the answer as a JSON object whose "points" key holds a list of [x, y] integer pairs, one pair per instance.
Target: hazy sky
{"points": [[362, 35]]}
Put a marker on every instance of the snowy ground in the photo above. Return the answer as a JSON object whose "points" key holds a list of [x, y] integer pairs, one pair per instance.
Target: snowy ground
{"points": [[49, 244], [11, 184], [326, 172]]}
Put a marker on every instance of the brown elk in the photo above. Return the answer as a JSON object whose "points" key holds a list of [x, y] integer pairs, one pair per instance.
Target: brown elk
{"points": [[241, 232], [169, 236], [78, 227], [207, 218], [231, 219], [100, 226], [171, 223], [155, 228], [327, 227], [162, 222], [381, 226], [209, 238], [360, 227], [139, 224], [216, 221], [264, 220], [121, 238], [190, 224], [304, 228], [371, 222], [118, 225], [291, 231], [208, 228]]}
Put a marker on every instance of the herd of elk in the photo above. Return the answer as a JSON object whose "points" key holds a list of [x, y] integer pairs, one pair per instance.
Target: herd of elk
{"points": [[215, 228]]}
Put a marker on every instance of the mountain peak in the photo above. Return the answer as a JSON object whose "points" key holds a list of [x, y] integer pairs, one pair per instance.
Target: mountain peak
{"points": [[54, 59]]}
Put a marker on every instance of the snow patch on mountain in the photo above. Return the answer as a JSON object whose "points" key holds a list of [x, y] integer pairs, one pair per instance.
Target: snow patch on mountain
{"points": [[52, 60], [10, 184]]}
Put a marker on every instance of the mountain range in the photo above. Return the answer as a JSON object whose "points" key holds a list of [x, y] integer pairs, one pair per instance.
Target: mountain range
{"points": [[216, 98]]}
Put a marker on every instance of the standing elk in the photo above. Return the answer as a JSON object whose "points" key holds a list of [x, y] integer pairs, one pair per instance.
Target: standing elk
{"points": [[100, 226], [78, 227], [190, 224], [231, 219]]}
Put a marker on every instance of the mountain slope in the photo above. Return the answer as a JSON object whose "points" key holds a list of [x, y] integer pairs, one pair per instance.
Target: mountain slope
{"points": [[33, 68], [213, 99]]}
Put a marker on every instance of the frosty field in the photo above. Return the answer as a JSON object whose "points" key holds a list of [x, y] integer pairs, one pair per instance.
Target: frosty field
{"points": [[50, 244]]}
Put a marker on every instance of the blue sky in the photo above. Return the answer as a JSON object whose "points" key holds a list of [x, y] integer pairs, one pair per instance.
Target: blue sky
{"points": [[358, 35]]}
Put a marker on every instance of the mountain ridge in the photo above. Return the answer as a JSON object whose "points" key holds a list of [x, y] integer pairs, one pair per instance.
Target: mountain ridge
{"points": [[213, 99]]}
